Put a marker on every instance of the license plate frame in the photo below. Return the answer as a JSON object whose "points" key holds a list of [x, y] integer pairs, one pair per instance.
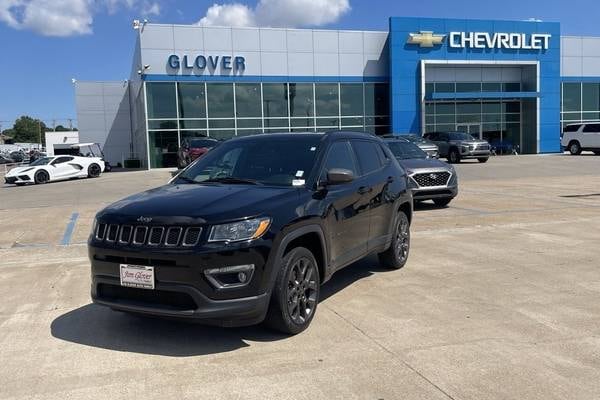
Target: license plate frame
{"points": [[137, 276]]}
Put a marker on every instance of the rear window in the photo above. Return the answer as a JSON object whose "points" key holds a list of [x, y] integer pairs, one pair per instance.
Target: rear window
{"points": [[592, 128], [572, 128]]}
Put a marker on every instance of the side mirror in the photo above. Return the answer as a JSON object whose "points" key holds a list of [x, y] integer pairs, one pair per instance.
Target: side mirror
{"points": [[336, 176]]}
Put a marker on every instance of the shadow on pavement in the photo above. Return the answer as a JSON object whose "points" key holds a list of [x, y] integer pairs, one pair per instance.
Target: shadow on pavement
{"points": [[98, 326]]}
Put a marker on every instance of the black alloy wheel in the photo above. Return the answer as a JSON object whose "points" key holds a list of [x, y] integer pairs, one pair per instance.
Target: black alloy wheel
{"points": [[94, 171], [296, 293], [396, 256], [41, 177]]}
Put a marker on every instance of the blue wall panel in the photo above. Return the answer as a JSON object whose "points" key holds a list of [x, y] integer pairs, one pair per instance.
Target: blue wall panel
{"points": [[405, 73]]}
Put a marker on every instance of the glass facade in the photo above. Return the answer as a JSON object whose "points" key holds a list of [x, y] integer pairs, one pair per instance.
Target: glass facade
{"points": [[181, 110], [580, 101], [497, 121]]}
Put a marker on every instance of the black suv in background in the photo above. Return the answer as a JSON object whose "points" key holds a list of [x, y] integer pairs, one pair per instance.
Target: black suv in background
{"points": [[251, 230], [456, 146]]}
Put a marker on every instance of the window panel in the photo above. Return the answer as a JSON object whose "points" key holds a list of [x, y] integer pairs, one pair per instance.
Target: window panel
{"points": [[192, 124], [220, 100], [247, 100], [221, 134], [161, 100], [377, 99], [332, 122], [221, 123], [591, 96], [571, 96], [249, 123], [164, 124], [468, 87], [192, 100], [301, 100], [468, 108], [587, 116], [326, 99], [491, 87], [445, 108], [302, 121], [275, 102], [511, 87], [445, 119], [352, 121], [445, 87], [276, 123], [351, 99], [491, 108], [191, 134]]}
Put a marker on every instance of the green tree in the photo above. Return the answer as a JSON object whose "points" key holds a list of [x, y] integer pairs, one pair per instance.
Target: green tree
{"points": [[60, 128], [29, 130]]}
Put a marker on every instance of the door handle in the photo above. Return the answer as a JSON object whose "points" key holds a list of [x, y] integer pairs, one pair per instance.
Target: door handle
{"points": [[364, 190]]}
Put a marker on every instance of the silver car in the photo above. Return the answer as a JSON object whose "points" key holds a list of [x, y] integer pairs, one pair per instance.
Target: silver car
{"points": [[429, 178], [456, 146], [427, 146]]}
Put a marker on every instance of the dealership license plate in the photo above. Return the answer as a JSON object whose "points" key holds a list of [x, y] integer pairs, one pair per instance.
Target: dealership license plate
{"points": [[137, 276]]}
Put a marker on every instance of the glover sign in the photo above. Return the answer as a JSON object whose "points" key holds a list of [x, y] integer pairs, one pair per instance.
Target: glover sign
{"points": [[485, 40]]}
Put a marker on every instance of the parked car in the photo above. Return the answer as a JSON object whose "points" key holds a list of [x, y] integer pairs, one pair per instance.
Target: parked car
{"points": [[49, 169], [193, 149], [83, 150], [456, 146], [5, 159], [251, 230], [579, 137], [429, 178], [426, 145], [17, 156]]}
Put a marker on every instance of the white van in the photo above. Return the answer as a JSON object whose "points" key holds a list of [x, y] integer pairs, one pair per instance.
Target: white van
{"points": [[582, 136]]}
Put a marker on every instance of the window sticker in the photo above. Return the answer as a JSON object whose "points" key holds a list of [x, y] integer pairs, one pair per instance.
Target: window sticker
{"points": [[313, 148], [299, 173]]}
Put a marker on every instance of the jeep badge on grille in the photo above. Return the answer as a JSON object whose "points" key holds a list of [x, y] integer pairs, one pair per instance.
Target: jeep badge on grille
{"points": [[144, 219]]}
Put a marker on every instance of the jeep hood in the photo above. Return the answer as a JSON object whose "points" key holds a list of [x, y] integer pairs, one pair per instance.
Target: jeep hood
{"points": [[201, 202]]}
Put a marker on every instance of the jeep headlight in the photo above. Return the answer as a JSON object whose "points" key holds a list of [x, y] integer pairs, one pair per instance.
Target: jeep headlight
{"points": [[241, 230]]}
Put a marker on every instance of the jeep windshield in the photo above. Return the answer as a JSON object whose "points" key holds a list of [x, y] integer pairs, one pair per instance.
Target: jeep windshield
{"points": [[282, 160], [405, 150]]}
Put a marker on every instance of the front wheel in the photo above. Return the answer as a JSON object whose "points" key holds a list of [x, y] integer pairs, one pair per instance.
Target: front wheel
{"points": [[296, 293], [483, 159], [453, 156], [396, 256], [94, 171], [41, 177], [575, 148]]}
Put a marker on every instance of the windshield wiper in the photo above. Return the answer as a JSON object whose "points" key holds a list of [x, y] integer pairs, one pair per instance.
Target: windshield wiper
{"points": [[232, 180], [186, 179]]}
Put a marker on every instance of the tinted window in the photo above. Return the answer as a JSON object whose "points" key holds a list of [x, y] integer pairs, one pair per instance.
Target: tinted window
{"points": [[405, 150], [339, 156], [592, 128], [61, 160], [367, 155], [572, 128]]}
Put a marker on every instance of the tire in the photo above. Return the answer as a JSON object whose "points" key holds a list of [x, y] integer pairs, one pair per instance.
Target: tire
{"points": [[442, 202], [94, 170], [574, 148], [396, 256], [284, 315], [453, 156], [483, 159], [41, 177]]}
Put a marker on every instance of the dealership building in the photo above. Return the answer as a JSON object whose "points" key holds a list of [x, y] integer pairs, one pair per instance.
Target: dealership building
{"points": [[513, 83]]}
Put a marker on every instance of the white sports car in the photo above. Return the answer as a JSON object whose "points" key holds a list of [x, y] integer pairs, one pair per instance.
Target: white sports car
{"points": [[48, 169]]}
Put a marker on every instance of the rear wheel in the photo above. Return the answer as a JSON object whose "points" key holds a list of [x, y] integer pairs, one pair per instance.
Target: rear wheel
{"points": [[94, 171], [41, 177], [575, 148], [453, 156], [443, 202], [396, 256], [483, 159], [296, 293]]}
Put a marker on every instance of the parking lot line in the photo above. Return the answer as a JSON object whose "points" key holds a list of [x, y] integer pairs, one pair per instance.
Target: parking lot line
{"points": [[66, 239]]}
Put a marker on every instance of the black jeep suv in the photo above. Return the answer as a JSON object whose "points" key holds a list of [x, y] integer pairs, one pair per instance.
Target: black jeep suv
{"points": [[252, 229]]}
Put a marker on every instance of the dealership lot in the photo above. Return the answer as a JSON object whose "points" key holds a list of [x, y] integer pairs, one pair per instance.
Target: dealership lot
{"points": [[499, 299]]}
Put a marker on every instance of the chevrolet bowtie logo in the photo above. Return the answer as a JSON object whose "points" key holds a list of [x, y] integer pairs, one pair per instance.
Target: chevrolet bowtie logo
{"points": [[425, 39]]}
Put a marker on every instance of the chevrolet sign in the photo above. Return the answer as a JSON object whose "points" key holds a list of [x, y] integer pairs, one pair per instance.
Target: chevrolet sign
{"points": [[499, 40], [425, 39]]}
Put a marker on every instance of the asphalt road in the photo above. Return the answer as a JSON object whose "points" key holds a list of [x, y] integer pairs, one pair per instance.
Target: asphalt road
{"points": [[499, 300]]}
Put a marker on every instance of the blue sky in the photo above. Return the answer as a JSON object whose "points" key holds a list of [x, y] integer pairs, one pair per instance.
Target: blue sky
{"points": [[43, 46]]}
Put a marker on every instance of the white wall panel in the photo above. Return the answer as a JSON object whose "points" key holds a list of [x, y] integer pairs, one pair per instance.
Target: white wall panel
{"points": [[273, 40], [325, 41], [299, 40], [274, 63], [188, 38], [326, 64], [300, 64], [217, 39], [590, 66], [571, 66], [351, 42], [351, 64], [157, 37], [245, 39]]}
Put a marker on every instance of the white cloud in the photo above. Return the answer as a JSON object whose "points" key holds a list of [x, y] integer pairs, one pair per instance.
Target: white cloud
{"points": [[65, 17], [279, 13]]}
